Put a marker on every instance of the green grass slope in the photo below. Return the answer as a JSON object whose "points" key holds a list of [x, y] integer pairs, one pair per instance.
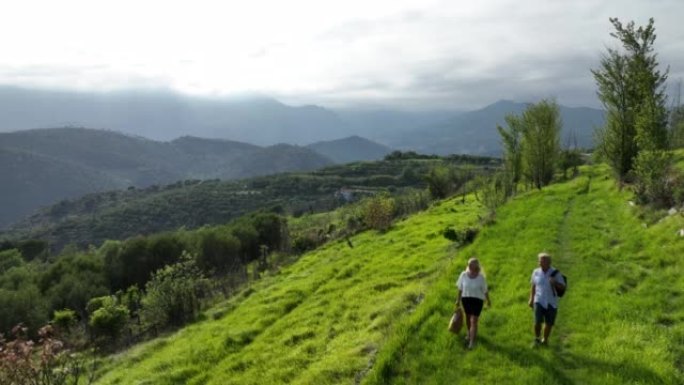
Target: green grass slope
{"points": [[318, 321], [377, 313], [619, 323]]}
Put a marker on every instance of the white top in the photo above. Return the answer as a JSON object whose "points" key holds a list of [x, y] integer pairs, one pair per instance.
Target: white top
{"points": [[472, 287], [543, 292]]}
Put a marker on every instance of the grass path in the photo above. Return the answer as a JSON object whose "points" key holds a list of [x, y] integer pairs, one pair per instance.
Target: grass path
{"points": [[619, 323]]}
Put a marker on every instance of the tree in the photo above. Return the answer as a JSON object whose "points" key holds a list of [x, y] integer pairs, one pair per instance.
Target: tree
{"points": [[378, 212], [174, 293], [443, 181], [631, 88], [540, 145], [512, 145]]}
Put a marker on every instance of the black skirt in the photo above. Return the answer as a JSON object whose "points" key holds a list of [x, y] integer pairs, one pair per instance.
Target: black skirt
{"points": [[472, 305]]}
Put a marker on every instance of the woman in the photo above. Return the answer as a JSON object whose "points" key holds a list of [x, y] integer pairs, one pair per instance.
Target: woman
{"points": [[472, 292]]}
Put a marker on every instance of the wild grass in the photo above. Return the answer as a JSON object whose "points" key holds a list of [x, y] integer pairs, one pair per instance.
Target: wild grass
{"points": [[619, 323], [377, 313], [319, 321]]}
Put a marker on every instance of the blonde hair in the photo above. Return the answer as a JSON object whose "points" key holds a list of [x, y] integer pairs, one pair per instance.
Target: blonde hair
{"points": [[474, 261]]}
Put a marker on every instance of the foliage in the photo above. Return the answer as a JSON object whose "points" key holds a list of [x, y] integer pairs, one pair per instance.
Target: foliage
{"points": [[117, 215], [9, 259], [21, 300], [73, 280], [109, 319], [219, 252], [632, 90], [512, 146], [493, 191], [443, 181], [22, 362], [570, 158], [64, 319], [654, 182], [677, 126], [378, 212], [174, 294], [531, 144], [540, 144]]}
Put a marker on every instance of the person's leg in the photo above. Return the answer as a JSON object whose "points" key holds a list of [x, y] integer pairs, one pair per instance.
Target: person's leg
{"points": [[549, 320], [538, 319], [547, 333], [473, 330]]}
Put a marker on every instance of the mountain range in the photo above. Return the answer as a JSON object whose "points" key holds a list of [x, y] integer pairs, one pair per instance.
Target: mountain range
{"points": [[147, 138]]}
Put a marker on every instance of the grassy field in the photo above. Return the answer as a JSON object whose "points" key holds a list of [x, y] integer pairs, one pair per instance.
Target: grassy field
{"points": [[319, 321], [377, 313], [619, 323]]}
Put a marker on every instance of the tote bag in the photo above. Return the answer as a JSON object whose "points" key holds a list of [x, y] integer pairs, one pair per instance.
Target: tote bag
{"points": [[456, 322]]}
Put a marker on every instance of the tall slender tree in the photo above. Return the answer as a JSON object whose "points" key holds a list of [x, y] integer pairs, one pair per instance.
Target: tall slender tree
{"points": [[512, 146], [540, 146], [632, 90]]}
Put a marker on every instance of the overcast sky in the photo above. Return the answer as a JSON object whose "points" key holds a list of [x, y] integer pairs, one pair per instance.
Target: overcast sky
{"points": [[407, 54]]}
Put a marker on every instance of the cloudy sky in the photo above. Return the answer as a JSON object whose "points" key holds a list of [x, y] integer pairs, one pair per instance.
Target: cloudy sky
{"points": [[397, 53]]}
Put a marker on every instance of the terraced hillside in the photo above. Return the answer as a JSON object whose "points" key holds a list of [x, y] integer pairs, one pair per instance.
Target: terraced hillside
{"points": [[377, 312]]}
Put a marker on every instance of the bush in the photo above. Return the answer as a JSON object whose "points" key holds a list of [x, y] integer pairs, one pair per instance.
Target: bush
{"points": [[65, 319], [174, 294], [109, 320], [462, 237], [23, 362], [378, 212]]}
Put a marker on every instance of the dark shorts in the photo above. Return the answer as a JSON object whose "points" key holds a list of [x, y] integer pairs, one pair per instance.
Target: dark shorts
{"points": [[544, 315], [472, 305]]}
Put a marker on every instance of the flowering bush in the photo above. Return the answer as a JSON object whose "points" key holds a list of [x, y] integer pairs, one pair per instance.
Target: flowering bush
{"points": [[22, 361]]}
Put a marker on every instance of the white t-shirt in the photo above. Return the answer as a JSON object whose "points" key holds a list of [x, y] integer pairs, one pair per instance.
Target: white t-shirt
{"points": [[472, 287], [543, 292]]}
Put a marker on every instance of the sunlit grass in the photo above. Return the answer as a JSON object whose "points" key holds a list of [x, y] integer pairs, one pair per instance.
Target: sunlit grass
{"points": [[319, 321], [620, 322], [377, 312]]}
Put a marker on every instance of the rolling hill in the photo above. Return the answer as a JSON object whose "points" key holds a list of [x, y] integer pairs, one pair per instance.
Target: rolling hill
{"points": [[119, 214], [43, 166], [377, 313]]}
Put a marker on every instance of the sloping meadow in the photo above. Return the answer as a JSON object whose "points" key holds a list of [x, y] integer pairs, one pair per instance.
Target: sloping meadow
{"points": [[620, 322], [321, 320]]}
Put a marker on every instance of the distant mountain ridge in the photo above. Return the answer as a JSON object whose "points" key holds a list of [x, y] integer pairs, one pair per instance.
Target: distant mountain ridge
{"points": [[351, 149], [264, 121], [162, 115], [40, 167], [475, 132]]}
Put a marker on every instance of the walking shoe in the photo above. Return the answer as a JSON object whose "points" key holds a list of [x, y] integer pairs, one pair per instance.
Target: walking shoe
{"points": [[537, 342]]}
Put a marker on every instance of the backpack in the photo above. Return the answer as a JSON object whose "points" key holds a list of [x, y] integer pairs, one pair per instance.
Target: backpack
{"points": [[560, 292]]}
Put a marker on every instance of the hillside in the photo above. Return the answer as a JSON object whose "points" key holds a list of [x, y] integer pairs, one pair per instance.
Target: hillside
{"points": [[82, 161], [351, 149], [93, 218], [377, 313]]}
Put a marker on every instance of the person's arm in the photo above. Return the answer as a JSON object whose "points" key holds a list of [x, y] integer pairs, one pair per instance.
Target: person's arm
{"points": [[458, 299], [558, 284], [530, 302], [489, 302]]}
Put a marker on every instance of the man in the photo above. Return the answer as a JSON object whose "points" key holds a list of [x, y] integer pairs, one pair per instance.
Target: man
{"points": [[543, 297]]}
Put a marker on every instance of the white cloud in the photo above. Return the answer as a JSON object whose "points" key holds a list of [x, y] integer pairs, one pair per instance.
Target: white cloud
{"points": [[409, 53]]}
